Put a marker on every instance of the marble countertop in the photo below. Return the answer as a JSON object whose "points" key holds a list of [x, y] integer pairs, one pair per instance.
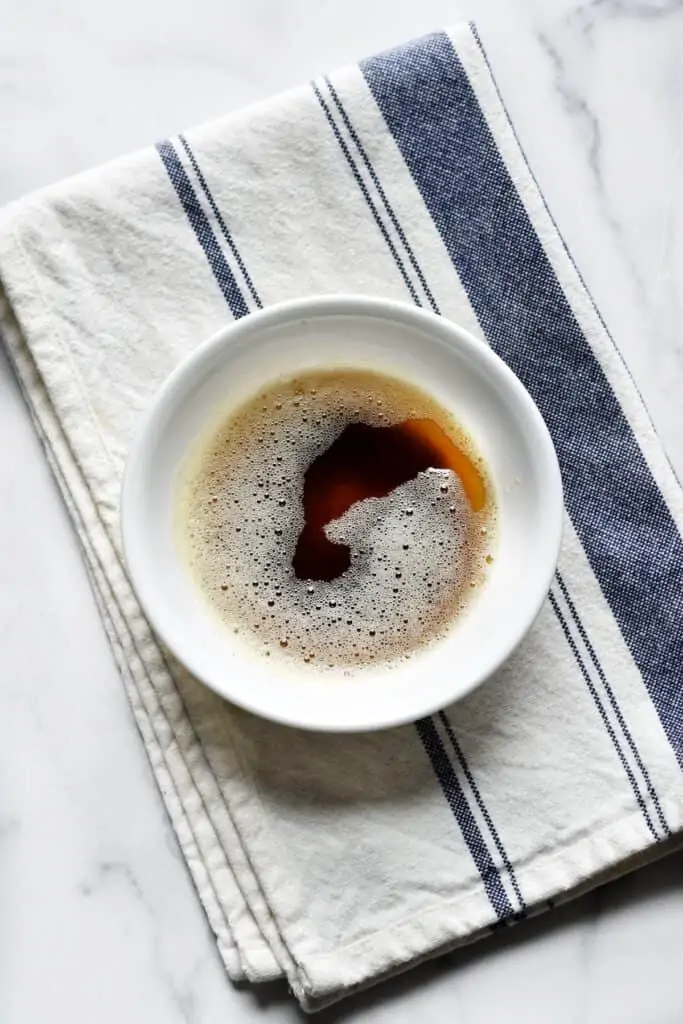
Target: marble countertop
{"points": [[100, 920]]}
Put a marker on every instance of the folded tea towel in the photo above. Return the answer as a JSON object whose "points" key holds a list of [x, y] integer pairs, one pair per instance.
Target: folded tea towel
{"points": [[337, 860]]}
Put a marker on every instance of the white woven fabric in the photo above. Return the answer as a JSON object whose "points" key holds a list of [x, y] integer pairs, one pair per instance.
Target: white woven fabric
{"points": [[339, 860]]}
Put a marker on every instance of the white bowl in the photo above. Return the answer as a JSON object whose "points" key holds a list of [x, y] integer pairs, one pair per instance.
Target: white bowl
{"points": [[464, 376]]}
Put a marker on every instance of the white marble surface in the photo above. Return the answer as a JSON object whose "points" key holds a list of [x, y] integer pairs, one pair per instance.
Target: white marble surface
{"points": [[99, 919]]}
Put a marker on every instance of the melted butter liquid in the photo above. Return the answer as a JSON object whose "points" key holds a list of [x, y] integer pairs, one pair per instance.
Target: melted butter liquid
{"points": [[340, 518]]}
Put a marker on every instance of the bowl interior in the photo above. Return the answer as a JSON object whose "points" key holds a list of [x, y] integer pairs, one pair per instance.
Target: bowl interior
{"points": [[463, 375]]}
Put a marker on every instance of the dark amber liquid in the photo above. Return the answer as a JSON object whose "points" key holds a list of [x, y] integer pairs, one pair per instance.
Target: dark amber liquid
{"points": [[370, 462]]}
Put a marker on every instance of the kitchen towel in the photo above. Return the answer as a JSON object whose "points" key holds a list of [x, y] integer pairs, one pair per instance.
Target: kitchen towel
{"points": [[338, 860]]}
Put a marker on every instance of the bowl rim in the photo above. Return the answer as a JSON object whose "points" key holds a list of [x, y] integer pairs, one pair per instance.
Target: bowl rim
{"points": [[331, 306]]}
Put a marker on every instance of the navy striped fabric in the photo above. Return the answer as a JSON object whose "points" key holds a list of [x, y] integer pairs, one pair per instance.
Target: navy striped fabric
{"points": [[374, 177], [471, 833], [618, 512], [595, 691], [202, 229], [366, 195], [223, 226], [461, 810], [450, 732], [611, 697], [432, 112], [601, 707], [431, 740]]}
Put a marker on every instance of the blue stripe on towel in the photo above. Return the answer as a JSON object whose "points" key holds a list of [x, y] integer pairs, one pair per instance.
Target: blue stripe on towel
{"points": [[601, 709], [610, 693], [624, 525], [471, 833], [652, 793], [374, 177], [221, 221], [354, 135], [366, 195], [202, 229], [482, 808]]}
